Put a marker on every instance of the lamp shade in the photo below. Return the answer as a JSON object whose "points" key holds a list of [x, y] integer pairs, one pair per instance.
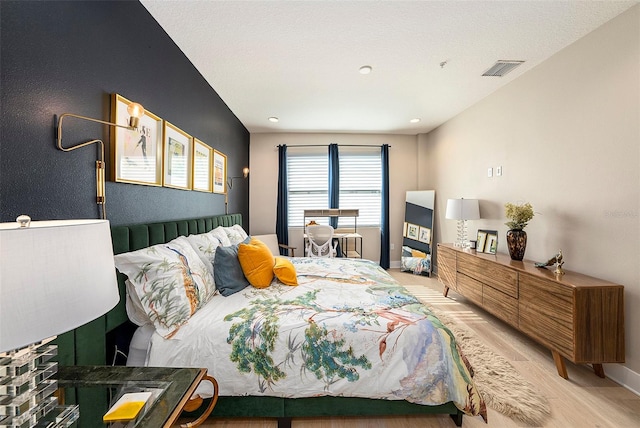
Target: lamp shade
{"points": [[462, 209], [54, 276]]}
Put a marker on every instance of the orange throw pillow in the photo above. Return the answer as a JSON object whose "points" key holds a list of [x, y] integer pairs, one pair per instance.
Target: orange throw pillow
{"points": [[257, 263], [285, 271]]}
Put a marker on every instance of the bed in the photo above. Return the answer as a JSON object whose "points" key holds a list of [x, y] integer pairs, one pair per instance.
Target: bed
{"points": [[299, 351]]}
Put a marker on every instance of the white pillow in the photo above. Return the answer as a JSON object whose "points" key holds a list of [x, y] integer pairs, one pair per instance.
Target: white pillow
{"points": [[205, 245], [134, 307], [219, 233], [170, 281], [235, 233]]}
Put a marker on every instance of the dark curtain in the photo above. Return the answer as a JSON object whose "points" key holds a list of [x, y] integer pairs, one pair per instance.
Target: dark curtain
{"points": [[282, 209], [334, 182], [384, 215]]}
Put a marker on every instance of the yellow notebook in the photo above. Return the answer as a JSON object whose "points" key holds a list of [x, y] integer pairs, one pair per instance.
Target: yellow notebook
{"points": [[127, 407]]}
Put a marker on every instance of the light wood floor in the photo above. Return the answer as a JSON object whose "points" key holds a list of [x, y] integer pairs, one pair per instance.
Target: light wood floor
{"points": [[584, 400]]}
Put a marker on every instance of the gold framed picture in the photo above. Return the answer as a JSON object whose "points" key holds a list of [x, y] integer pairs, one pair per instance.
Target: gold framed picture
{"points": [[219, 172], [424, 235], [202, 168], [178, 152], [136, 154], [412, 231]]}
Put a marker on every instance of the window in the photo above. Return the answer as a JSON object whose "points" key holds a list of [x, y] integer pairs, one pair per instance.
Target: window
{"points": [[360, 184], [308, 182]]}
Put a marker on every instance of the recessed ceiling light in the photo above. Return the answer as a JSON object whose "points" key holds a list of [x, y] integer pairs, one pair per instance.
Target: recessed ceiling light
{"points": [[274, 119], [365, 69], [415, 120]]}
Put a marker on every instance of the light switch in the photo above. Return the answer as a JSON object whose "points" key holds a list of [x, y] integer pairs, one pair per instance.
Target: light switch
{"points": [[499, 171], [490, 172]]}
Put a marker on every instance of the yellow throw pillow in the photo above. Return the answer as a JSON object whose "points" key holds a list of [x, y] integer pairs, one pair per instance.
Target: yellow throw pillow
{"points": [[257, 263], [418, 254], [285, 271]]}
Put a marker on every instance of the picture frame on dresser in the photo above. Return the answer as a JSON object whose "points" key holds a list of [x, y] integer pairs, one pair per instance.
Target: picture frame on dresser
{"points": [[487, 241]]}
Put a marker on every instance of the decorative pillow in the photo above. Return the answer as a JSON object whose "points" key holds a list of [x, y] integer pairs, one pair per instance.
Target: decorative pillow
{"points": [[135, 309], [170, 281], [219, 233], [257, 263], [228, 274], [285, 271], [235, 233], [205, 245], [418, 253]]}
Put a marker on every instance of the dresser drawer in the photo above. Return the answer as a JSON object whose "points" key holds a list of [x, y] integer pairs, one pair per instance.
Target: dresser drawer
{"points": [[501, 305], [545, 312], [470, 288], [447, 267], [497, 276]]}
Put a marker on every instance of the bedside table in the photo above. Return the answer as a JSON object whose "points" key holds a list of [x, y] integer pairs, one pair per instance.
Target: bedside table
{"points": [[95, 388]]}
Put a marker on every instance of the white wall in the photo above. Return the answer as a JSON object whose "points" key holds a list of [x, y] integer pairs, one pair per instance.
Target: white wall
{"points": [[567, 135], [263, 183]]}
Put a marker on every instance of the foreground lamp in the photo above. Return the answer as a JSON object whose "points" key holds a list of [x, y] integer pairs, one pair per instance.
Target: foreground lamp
{"points": [[136, 111], [54, 276], [462, 210], [245, 174]]}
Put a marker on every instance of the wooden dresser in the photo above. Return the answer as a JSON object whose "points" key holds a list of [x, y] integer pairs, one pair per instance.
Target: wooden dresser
{"points": [[576, 316]]}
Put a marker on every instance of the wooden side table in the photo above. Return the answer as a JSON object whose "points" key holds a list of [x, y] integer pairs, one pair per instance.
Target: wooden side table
{"points": [[95, 388]]}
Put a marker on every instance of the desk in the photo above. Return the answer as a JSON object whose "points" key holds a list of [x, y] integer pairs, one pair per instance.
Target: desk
{"points": [[172, 389]]}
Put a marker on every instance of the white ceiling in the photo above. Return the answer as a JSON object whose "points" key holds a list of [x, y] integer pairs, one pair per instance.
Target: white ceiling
{"points": [[299, 60]]}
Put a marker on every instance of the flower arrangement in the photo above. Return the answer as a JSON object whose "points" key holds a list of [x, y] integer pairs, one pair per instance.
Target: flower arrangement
{"points": [[519, 215]]}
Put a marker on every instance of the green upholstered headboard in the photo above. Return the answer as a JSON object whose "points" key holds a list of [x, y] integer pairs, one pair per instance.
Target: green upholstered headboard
{"points": [[86, 345]]}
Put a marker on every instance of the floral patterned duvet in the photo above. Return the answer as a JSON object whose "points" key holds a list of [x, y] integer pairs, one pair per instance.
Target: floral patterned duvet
{"points": [[347, 329]]}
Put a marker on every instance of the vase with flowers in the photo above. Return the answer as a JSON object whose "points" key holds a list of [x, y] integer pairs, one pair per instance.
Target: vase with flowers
{"points": [[518, 216]]}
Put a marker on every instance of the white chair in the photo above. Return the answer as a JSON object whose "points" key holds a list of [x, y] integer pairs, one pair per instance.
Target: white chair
{"points": [[320, 241]]}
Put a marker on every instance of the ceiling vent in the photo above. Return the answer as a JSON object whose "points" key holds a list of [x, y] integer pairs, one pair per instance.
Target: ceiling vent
{"points": [[501, 68]]}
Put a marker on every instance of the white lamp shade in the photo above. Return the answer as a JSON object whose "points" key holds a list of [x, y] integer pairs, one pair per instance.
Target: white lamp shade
{"points": [[54, 276], [462, 209]]}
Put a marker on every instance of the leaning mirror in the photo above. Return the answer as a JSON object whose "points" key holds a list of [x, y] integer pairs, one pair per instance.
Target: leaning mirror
{"points": [[417, 232]]}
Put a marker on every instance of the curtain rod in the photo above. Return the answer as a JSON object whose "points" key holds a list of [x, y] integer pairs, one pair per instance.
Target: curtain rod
{"points": [[327, 145]]}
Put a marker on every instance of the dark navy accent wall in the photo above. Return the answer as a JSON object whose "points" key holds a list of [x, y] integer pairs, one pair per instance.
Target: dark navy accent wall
{"points": [[68, 57]]}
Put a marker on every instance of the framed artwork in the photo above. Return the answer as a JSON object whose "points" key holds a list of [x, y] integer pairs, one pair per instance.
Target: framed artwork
{"points": [[177, 158], [404, 230], [489, 241], [202, 167], [413, 231], [219, 172], [424, 235], [136, 154], [481, 241]]}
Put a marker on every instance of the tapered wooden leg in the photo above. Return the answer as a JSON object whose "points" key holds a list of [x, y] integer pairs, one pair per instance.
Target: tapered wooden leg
{"points": [[445, 291], [562, 369], [599, 370]]}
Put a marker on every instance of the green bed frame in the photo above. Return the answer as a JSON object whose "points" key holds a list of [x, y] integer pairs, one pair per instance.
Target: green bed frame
{"points": [[87, 345]]}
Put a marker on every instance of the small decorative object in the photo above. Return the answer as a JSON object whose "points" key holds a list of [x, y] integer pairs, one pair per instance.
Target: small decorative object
{"points": [[555, 260], [487, 241], [519, 216]]}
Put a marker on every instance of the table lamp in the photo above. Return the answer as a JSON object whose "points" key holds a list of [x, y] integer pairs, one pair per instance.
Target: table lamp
{"points": [[462, 210], [54, 276]]}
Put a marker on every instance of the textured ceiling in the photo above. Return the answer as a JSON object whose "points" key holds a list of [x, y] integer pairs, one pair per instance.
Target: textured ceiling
{"points": [[299, 60]]}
